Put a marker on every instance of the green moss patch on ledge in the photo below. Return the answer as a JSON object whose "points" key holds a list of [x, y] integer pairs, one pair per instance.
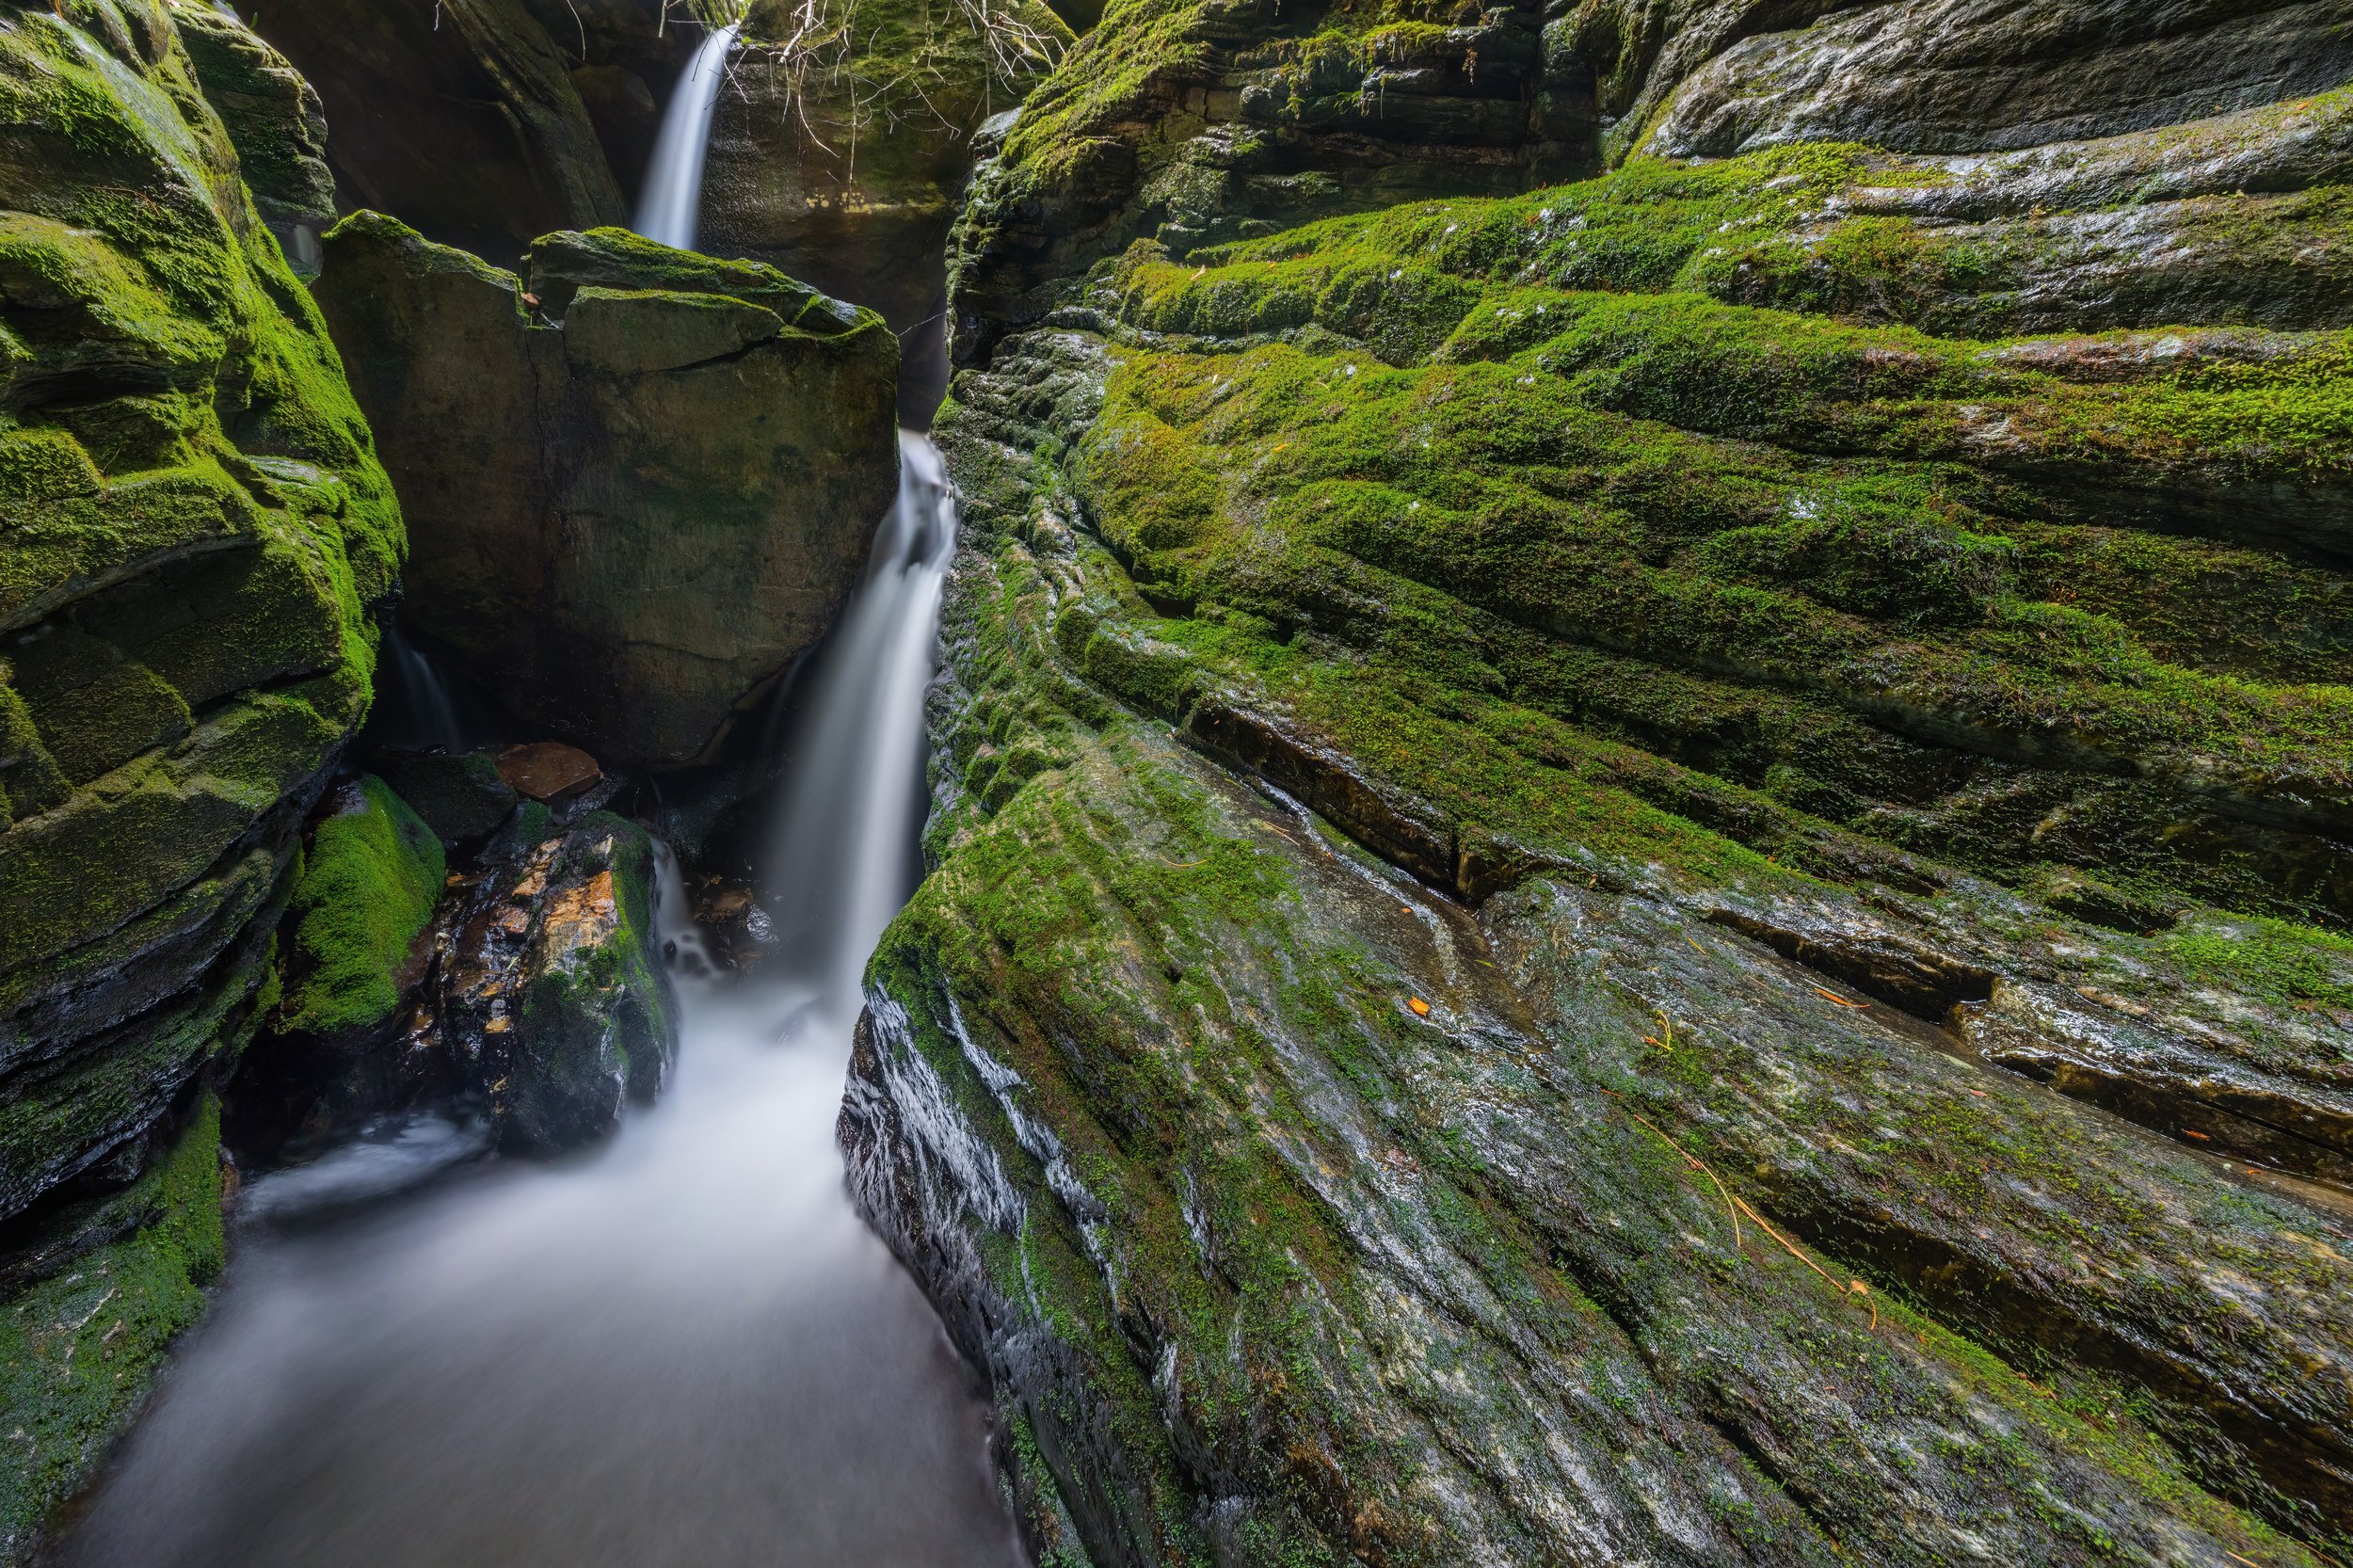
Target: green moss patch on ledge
{"points": [[369, 878]]}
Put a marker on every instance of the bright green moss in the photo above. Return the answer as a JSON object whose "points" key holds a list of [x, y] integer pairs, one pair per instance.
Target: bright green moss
{"points": [[370, 879], [2288, 965], [79, 1349]]}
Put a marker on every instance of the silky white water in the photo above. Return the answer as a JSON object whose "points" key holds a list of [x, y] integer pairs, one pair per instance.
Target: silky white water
{"points": [[682, 1350], [670, 209], [422, 709]]}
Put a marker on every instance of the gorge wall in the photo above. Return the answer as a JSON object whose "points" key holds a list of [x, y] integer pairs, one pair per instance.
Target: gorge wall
{"points": [[196, 533], [1657, 869]]}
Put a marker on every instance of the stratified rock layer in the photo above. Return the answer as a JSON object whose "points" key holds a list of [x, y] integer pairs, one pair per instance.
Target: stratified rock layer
{"points": [[1654, 870], [192, 527], [628, 523]]}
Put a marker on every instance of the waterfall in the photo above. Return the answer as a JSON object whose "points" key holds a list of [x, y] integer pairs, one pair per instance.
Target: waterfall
{"points": [[840, 860], [421, 712], [681, 1350], [671, 207]]}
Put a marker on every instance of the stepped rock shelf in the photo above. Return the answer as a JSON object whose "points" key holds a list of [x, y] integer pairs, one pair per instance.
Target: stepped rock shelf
{"points": [[1652, 868]]}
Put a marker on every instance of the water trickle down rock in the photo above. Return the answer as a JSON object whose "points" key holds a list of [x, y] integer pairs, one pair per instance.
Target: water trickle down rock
{"points": [[638, 487]]}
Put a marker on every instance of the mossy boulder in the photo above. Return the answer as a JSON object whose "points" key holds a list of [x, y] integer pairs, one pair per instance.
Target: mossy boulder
{"points": [[195, 529], [462, 799], [638, 502], [369, 878], [584, 1020]]}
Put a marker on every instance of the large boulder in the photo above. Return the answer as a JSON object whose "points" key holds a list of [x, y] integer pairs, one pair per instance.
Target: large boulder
{"points": [[638, 486], [552, 1005], [193, 528]]}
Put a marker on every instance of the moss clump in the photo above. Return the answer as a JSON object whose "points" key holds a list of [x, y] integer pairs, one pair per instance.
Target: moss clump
{"points": [[559, 266], [79, 1348], [370, 879]]}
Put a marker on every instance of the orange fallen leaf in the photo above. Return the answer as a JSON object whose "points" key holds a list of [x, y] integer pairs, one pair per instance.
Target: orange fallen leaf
{"points": [[1418, 1006], [1839, 999]]}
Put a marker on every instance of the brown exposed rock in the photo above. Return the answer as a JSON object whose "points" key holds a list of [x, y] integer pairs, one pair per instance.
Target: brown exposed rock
{"points": [[549, 769]]}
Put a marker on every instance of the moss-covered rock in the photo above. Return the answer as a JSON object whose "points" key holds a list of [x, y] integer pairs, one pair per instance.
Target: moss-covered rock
{"points": [[371, 876], [565, 991], [639, 505], [462, 798], [195, 526], [87, 1306], [1298, 1213], [273, 117], [1701, 696]]}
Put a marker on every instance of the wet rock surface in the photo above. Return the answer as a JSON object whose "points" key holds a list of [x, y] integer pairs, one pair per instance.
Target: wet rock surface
{"points": [[1433, 1033], [590, 452], [530, 995]]}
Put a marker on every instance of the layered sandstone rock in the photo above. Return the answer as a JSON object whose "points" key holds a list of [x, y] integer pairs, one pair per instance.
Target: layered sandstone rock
{"points": [[193, 530], [1656, 870]]}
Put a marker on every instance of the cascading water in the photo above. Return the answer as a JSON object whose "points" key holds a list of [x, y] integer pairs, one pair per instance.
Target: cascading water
{"points": [[681, 1349], [421, 712], [670, 209]]}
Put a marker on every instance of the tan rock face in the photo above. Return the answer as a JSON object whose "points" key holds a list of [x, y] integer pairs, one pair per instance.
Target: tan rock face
{"points": [[627, 523], [547, 770]]}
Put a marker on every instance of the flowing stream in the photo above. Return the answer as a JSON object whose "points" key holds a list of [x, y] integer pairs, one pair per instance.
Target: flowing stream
{"points": [[670, 210], [683, 1347]]}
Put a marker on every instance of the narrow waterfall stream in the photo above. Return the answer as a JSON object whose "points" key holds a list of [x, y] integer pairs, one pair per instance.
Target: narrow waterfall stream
{"points": [[670, 210], [683, 1347]]}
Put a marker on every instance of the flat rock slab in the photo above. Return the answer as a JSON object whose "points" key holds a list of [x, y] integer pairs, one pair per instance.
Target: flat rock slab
{"points": [[549, 769]]}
